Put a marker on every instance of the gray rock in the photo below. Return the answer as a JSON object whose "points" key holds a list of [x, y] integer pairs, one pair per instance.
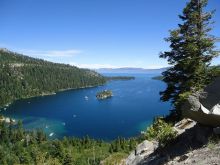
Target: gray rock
{"points": [[216, 130], [143, 150], [192, 104], [145, 146], [182, 158], [183, 125], [203, 106], [212, 94]]}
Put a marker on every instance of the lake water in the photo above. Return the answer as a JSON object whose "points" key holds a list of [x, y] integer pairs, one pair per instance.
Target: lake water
{"points": [[78, 113]]}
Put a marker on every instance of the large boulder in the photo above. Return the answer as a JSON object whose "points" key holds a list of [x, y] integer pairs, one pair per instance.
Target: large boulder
{"points": [[204, 107], [142, 151]]}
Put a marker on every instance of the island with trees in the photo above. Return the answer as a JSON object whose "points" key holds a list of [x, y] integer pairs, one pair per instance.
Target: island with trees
{"points": [[104, 94]]}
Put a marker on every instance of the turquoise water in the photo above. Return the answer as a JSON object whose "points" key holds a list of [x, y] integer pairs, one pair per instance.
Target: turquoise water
{"points": [[78, 113]]}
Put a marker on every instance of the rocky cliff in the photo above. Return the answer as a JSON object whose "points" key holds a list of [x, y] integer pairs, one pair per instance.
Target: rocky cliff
{"points": [[204, 106]]}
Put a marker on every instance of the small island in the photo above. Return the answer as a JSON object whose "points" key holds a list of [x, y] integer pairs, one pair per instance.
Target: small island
{"points": [[104, 94]]}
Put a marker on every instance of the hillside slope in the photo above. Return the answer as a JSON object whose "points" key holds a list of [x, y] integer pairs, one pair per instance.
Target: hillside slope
{"points": [[22, 77]]}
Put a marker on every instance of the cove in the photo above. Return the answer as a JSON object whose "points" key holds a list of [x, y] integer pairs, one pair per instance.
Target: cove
{"points": [[78, 112]]}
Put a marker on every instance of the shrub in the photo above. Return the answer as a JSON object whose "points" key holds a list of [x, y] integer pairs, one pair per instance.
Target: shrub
{"points": [[161, 131]]}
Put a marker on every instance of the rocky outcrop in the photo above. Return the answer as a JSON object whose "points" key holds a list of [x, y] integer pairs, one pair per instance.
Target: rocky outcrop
{"points": [[191, 144], [148, 152], [184, 125], [204, 107], [142, 151], [192, 138]]}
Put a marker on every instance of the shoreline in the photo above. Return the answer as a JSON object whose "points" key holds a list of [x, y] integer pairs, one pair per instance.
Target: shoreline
{"points": [[5, 106]]}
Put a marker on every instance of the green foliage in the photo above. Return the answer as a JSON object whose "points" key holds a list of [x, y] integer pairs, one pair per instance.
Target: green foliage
{"points": [[162, 132], [123, 145], [192, 49], [23, 77], [114, 159], [214, 71], [19, 146]]}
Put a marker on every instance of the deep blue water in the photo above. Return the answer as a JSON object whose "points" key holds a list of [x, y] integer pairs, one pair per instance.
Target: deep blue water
{"points": [[132, 108]]}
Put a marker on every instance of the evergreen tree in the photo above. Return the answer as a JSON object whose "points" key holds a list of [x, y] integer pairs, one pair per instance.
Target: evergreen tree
{"points": [[31, 147], [192, 49], [68, 159], [20, 130]]}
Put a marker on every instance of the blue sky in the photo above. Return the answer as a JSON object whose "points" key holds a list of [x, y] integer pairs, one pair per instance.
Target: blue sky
{"points": [[93, 33]]}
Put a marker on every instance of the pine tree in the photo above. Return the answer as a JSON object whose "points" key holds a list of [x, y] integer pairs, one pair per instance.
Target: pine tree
{"points": [[68, 159], [20, 130], [192, 49]]}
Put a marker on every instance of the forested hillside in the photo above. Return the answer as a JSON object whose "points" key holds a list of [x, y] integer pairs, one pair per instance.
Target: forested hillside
{"points": [[22, 76], [19, 146]]}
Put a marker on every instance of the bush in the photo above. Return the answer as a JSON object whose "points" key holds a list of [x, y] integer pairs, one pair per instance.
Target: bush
{"points": [[161, 131]]}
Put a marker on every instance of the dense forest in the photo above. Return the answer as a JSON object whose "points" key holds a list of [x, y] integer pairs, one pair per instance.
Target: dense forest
{"points": [[22, 76], [19, 146]]}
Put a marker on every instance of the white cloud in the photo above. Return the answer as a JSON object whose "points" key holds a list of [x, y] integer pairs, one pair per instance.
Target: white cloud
{"points": [[51, 53]]}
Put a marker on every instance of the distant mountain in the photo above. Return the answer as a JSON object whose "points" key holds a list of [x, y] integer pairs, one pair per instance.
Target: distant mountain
{"points": [[130, 70]]}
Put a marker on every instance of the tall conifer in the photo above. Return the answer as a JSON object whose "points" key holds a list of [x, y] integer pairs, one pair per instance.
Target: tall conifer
{"points": [[192, 49]]}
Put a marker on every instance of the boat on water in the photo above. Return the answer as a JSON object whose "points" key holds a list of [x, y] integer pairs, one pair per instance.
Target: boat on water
{"points": [[86, 98], [51, 134]]}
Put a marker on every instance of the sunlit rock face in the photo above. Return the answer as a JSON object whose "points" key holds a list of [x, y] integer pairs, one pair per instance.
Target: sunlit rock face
{"points": [[204, 107]]}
